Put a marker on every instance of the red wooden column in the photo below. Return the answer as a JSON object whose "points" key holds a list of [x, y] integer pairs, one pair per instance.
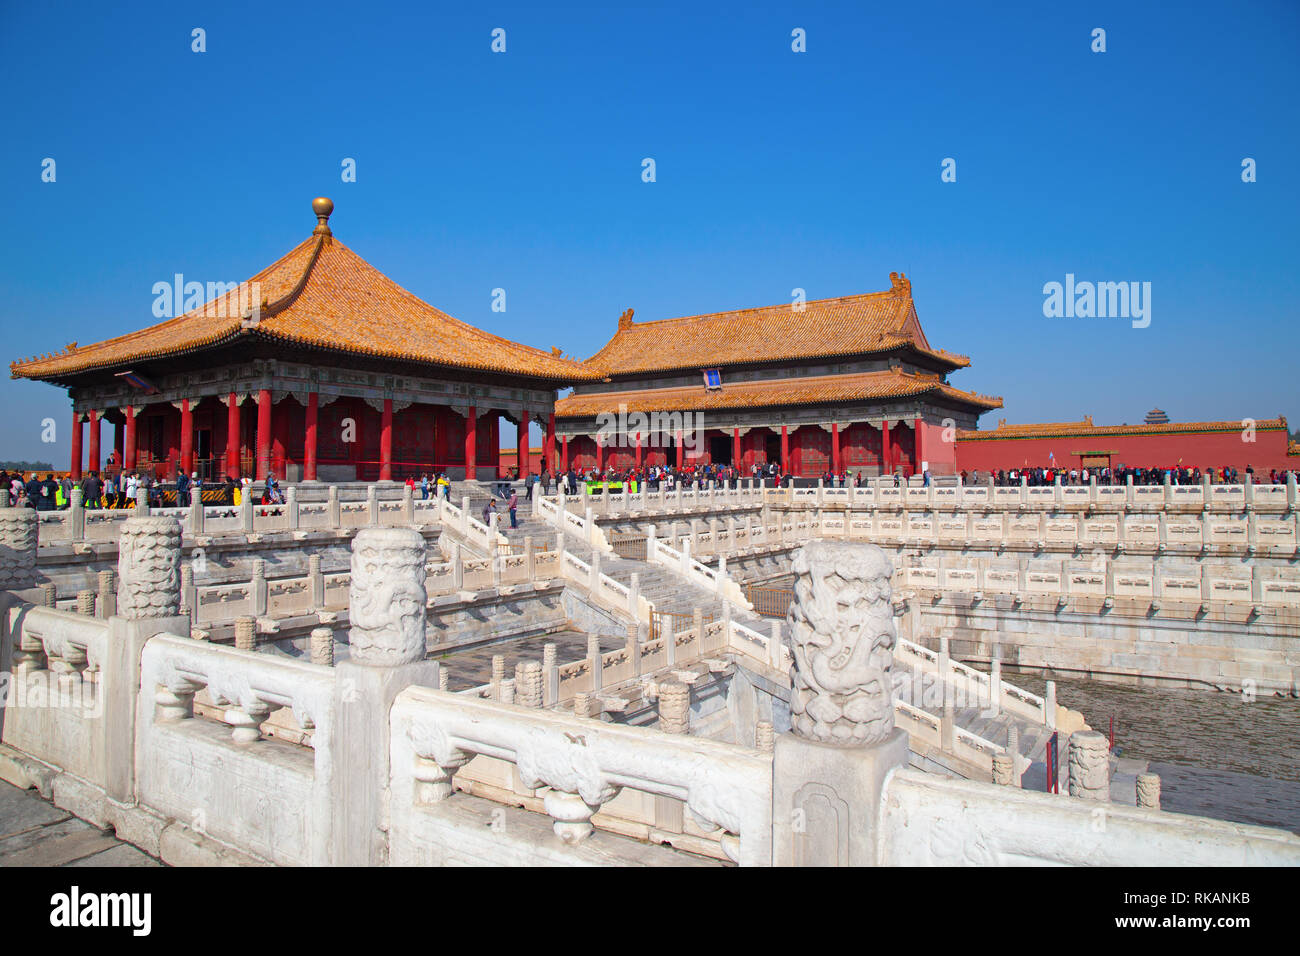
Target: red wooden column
{"points": [[638, 451], [785, 450], [75, 464], [386, 442], [735, 448], [129, 441], [118, 447], [600, 454], [263, 434], [522, 455], [679, 448], [471, 444], [92, 418], [187, 437], [916, 446], [564, 457], [886, 453], [309, 447], [548, 446], [835, 447], [232, 437]]}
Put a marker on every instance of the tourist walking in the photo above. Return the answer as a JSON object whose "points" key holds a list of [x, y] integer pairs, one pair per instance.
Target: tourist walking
{"points": [[91, 490], [513, 504]]}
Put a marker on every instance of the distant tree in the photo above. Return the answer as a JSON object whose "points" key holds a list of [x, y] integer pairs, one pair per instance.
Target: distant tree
{"points": [[26, 466]]}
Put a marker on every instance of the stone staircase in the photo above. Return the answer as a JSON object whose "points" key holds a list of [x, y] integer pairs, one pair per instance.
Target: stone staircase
{"points": [[673, 593]]}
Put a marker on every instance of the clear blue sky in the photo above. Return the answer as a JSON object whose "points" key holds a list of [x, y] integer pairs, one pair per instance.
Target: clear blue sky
{"points": [[775, 170]]}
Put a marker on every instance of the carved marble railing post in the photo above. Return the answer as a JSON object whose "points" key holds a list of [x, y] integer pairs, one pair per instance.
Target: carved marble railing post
{"points": [[508, 691], [246, 632], [148, 603], [372, 506], [334, 508], [550, 675], [149, 568], [86, 602], [49, 595], [764, 738], [387, 611], [829, 773], [317, 577], [528, 684], [586, 705], [246, 509], [597, 662], [498, 674], [674, 707], [141, 501], [386, 599], [1002, 769], [76, 515], [258, 593], [1148, 791], [322, 646], [107, 600], [1013, 748], [18, 543], [457, 568], [189, 593], [291, 509], [1089, 766], [408, 505], [196, 515]]}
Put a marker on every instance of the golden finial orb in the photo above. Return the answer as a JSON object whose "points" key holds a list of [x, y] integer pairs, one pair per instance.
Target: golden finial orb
{"points": [[322, 207]]}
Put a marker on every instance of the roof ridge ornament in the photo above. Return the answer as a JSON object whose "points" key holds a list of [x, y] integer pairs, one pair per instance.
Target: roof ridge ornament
{"points": [[900, 283], [625, 320], [322, 207]]}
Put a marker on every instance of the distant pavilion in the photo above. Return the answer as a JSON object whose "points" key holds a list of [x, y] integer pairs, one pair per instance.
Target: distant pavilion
{"points": [[846, 384], [320, 367]]}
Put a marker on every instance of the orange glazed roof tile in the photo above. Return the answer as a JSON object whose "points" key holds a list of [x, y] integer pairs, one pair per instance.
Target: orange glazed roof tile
{"points": [[1086, 429], [851, 325], [813, 390], [320, 295]]}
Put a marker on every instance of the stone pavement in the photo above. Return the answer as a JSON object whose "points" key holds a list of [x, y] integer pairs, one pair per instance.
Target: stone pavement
{"points": [[36, 833]]}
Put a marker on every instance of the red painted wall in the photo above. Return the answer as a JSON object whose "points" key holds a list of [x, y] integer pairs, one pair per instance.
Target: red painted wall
{"points": [[1205, 450], [510, 455], [940, 454]]}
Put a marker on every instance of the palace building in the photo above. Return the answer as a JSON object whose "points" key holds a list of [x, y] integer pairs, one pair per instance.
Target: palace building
{"points": [[319, 367], [843, 384]]}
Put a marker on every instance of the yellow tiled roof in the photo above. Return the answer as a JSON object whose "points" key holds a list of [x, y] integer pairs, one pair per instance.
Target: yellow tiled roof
{"points": [[1086, 429], [813, 390], [851, 325], [322, 295]]}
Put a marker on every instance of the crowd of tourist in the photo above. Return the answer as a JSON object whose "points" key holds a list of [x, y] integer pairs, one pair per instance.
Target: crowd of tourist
{"points": [[1120, 476], [120, 490]]}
